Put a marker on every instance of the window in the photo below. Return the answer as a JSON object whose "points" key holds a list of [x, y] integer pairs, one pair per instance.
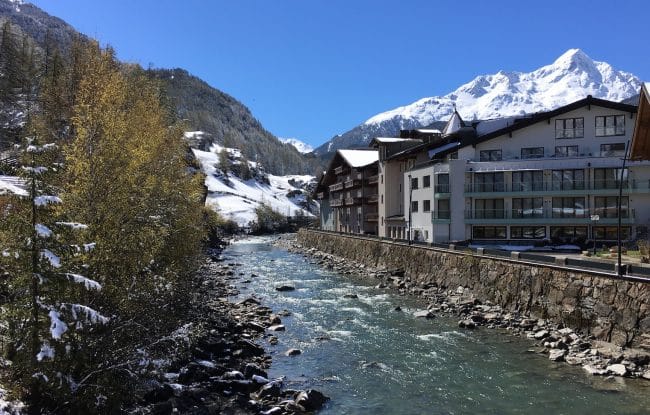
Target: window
{"points": [[570, 128], [414, 183], [611, 233], [568, 234], [414, 206], [488, 209], [381, 179], [489, 232], [569, 207], [490, 155], [443, 183], [426, 181], [453, 156], [443, 209], [426, 206], [528, 232], [610, 125], [609, 178], [532, 152], [607, 206], [531, 207], [612, 150], [568, 179], [382, 199], [566, 151], [525, 181], [489, 182]]}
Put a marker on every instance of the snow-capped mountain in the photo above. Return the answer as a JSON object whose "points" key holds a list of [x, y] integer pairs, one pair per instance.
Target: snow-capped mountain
{"points": [[236, 197], [301, 146], [572, 76]]}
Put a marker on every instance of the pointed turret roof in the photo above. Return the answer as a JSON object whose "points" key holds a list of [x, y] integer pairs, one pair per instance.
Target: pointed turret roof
{"points": [[454, 124]]}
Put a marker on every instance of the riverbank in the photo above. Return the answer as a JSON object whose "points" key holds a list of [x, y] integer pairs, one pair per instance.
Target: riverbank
{"points": [[220, 367], [557, 342]]}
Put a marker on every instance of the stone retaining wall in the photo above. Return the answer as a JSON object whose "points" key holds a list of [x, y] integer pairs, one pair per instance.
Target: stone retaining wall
{"points": [[610, 309]]}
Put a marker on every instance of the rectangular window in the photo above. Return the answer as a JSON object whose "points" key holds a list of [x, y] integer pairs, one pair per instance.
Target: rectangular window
{"points": [[426, 181], [490, 155], [489, 182], [414, 206], [453, 156], [569, 207], [426, 206], [609, 178], [526, 181], [531, 207], [528, 232], [566, 151], [532, 152], [568, 179], [489, 232], [414, 183], [607, 206], [488, 209], [610, 125], [443, 209], [443, 183], [612, 150], [610, 233], [570, 128], [568, 234]]}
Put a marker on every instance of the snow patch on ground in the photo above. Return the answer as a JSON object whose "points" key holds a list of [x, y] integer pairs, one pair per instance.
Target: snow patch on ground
{"points": [[237, 199]]}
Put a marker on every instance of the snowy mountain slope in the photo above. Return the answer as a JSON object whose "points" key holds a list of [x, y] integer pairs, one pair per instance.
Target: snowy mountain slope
{"points": [[299, 145], [572, 76], [236, 198]]}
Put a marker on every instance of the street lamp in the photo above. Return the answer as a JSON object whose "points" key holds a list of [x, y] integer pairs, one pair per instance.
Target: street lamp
{"points": [[410, 207], [618, 210], [594, 221]]}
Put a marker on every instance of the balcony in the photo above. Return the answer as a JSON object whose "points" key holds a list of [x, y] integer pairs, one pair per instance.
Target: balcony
{"points": [[372, 217], [441, 216], [320, 195], [547, 216], [575, 187], [350, 201], [341, 170], [336, 187], [338, 202], [352, 183], [373, 179], [372, 199]]}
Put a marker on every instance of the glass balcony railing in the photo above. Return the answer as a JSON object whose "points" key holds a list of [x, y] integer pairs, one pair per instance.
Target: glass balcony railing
{"points": [[557, 186]]}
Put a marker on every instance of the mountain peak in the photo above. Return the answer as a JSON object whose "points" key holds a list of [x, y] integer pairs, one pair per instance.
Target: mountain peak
{"points": [[574, 58]]}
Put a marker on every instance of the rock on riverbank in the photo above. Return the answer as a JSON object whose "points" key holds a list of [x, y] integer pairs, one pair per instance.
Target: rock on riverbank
{"points": [[224, 369], [559, 343]]}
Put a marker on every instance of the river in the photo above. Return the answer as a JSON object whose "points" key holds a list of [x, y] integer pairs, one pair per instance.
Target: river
{"points": [[370, 359]]}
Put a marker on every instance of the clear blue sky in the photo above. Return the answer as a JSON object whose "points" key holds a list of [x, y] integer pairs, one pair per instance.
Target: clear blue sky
{"points": [[311, 69]]}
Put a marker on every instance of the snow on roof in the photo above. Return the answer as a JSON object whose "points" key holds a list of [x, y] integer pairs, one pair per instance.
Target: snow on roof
{"points": [[647, 86], [359, 158], [440, 149], [454, 124], [428, 130], [396, 140], [13, 185]]}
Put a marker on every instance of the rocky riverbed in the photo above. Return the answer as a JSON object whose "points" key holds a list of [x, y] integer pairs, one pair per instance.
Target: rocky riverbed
{"points": [[560, 344], [224, 368]]}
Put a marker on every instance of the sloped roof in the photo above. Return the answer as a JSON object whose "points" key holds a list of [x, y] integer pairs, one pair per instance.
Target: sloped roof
{"points": [[640, 148], [388, 140], [454, 124], [359, 158]]}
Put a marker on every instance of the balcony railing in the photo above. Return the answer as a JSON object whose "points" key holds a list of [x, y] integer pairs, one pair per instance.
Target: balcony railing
{"points": [[349, 184], [372, 217], [553, 213], [440, 214], [349, 201], [372, 199], [373, 179], [341, 170], [557, 186], [320, 195], [337, 202], [336, 187], [441, 188]]}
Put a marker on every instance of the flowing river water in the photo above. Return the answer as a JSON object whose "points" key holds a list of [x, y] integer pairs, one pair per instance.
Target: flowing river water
{"points": [[370, 359]]}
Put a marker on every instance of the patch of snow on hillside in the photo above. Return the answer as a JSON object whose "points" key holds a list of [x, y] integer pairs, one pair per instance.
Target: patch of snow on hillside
{"points": [[237, 199], [301, 146]]}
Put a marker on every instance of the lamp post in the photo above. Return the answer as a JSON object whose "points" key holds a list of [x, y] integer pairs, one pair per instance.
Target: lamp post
{"points": [[618, 211], [594, 221]]}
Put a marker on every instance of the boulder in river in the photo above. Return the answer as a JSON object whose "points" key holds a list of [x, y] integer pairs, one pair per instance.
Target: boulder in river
{"points": [[424, 314], [557, 355], [277, 327], [285, 288], [311, 400], [293, 352], [617, 369], [466, 324]]}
